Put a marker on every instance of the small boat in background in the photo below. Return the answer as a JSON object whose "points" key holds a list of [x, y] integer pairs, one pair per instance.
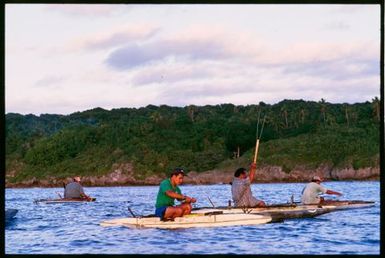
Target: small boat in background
{"points": [[10, 214], [64, 200]]}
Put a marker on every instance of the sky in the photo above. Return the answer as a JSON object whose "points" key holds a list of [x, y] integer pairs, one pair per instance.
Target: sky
{"points": [[65, 58]]}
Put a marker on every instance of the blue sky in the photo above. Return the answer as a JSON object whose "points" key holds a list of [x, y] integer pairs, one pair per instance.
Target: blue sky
{"points": [[64, 58]]}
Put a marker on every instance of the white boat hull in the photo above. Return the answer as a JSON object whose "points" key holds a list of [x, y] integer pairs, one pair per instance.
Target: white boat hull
{"points": [[191, 221]]}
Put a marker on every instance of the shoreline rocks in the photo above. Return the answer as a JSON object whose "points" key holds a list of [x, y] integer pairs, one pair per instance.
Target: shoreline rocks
{"points": [[123, 175]]}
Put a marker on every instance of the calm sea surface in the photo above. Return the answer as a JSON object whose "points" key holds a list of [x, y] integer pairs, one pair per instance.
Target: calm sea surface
{"points": [[74, 228]]}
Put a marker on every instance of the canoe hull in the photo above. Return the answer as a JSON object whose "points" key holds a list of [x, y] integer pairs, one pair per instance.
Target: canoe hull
{"points": [[191, 221], [276, 213], [292, 211]]}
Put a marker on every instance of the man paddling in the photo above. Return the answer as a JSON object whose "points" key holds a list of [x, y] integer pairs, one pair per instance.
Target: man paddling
{"points": [[241, 190], [310, 194], [168, 192], [74, 190]]}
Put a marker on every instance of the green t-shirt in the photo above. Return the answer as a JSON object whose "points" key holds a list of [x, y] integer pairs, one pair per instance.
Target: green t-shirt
{"points": [[163, 199]]}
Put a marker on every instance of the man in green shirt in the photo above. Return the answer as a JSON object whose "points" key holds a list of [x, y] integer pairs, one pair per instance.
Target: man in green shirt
{"points": [[168, 191]]}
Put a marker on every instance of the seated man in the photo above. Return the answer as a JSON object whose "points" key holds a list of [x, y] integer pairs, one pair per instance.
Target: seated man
{"points": [[74, 190], [168, 191], [241, 190], [311, 191]]}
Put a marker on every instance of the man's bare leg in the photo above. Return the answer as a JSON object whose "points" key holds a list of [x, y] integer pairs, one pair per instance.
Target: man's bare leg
{"points": [[173, 212]]}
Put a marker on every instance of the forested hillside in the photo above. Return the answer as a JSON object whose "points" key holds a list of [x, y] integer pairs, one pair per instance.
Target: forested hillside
{"points": [[198, 138]]}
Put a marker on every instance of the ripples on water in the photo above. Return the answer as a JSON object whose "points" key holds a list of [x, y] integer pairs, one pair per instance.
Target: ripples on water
{"points": [[74, 228]]}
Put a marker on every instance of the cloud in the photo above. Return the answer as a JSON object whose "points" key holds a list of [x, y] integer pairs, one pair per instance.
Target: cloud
{"points": [[84, 10], [135, 55], [115, 37], [177, 72], [50, 81], [170, 74], [338, 69], [337, 26]]}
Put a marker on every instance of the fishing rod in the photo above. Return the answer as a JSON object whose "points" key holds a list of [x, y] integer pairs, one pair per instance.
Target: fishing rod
{"points": [[132, 213], [258, 136], [208, 197]]}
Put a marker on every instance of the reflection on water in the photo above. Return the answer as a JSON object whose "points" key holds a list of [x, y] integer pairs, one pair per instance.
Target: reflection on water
{"points": [[74, 228]]}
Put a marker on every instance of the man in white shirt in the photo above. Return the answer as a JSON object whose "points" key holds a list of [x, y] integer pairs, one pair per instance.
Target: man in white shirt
{"points": [[311, 191], [241, 188], [74, 190]]}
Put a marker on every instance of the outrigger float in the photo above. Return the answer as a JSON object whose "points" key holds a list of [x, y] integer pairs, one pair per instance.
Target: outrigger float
{"points": [[63, 200], [230, 216]]}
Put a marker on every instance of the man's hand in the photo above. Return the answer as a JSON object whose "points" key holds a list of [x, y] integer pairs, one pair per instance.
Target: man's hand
{"points": [[253, 165], [190, 200]]}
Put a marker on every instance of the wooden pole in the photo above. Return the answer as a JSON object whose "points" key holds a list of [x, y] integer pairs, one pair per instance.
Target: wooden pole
{"points": [[256, 151]]}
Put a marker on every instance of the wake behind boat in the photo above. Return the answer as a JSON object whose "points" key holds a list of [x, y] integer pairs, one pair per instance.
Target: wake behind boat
{"points": [[64, 200], [196, 220]]}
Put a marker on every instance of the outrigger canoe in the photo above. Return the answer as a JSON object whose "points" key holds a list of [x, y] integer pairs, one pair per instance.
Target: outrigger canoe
{"points": [[293, 211], [63, 200], [197, 220], [278, 213], [10, 213], [230, 216]]}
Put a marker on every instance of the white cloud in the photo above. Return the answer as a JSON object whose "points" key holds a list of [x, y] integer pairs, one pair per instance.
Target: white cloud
{"points": [[114, 37]]}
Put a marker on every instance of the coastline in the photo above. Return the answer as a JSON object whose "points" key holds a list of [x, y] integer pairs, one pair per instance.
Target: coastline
{"points": [[270, 174]]}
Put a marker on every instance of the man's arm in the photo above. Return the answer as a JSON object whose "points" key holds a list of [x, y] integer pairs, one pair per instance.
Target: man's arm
{"points": [[82, 193], [180, 197], [333, 192], [253, 168]]}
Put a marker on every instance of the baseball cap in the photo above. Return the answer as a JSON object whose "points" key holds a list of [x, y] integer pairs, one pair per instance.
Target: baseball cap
{"points": [[317, 178], [177, 171]]}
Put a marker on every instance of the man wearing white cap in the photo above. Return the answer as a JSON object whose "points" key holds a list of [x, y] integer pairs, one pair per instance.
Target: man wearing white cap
{"points": [[311, 191]]}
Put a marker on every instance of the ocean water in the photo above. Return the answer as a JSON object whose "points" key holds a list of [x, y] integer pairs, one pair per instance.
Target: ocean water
{"points": [[74, 228]]}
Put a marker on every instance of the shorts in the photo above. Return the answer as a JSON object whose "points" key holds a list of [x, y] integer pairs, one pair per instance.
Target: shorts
{"points": [[159, 212]]}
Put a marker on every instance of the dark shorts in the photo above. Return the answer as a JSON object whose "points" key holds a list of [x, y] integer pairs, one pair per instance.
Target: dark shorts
{"points": [[159, 212]]}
